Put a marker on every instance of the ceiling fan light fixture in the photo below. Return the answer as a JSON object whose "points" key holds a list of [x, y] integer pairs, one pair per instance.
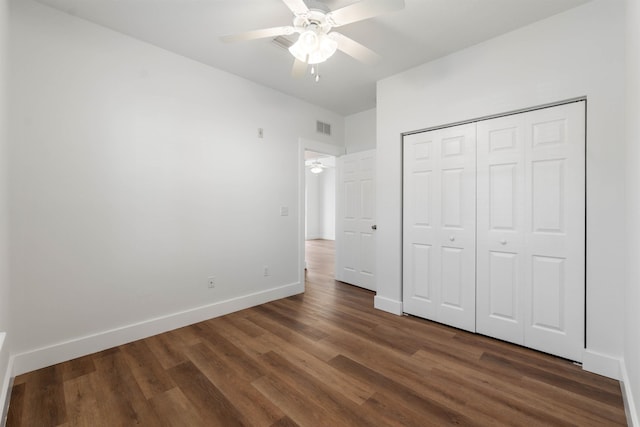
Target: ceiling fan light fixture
{"points": [[313, 47], [326, 48], [316, 169]]}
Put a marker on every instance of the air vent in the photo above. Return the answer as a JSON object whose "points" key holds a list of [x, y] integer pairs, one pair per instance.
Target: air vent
{"points": [[322, 127], [283, 42]]}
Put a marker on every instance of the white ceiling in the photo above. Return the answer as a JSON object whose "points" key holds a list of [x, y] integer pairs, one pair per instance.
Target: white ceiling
{"points": [[422, 31]]}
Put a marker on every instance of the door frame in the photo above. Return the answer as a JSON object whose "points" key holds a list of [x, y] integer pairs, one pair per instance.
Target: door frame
{"points": [[305, 144]]}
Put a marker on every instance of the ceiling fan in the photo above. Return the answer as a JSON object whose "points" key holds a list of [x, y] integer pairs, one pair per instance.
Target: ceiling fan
{"points": [[316, 41], [315, 166]]}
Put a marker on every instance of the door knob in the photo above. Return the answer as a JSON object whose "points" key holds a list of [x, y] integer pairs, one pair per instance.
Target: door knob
{"points": [[503, 242], [374, 227], [452, 238]]}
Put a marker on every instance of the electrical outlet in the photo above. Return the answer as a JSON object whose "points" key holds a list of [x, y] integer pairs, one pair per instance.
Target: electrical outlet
{"points": [[266, 270], [211, 281]]}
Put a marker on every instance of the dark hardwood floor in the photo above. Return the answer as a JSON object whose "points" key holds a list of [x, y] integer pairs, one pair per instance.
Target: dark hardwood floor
{"points": [[325, 358]]}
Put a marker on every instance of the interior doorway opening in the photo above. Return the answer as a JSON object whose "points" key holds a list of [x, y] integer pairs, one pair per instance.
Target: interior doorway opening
{"points": [[320, 212]]}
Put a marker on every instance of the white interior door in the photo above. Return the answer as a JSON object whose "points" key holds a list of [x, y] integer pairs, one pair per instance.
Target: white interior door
{"points": [[355, 226], [439, 225], [531, 218], [501, 228]]}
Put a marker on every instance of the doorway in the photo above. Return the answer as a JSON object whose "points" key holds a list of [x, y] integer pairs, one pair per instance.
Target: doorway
{"points": [[320, 212]]}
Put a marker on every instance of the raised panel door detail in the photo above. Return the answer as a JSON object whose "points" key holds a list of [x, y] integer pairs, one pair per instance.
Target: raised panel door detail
{"points": [[502, 196], [452, 281], [367, 199], [452, 146], [548, 196], [548, 290], [549, 133], [421, 200], [421, 151], [367, 259], [503, 286], [452, 198], [367, 164], [421, 262], [503, 139], [350, 240], [350, 168], [351, 197]]}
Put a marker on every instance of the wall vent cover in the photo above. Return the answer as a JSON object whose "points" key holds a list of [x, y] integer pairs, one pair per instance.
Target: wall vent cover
{"points": [[283, 42], [322, 127]]}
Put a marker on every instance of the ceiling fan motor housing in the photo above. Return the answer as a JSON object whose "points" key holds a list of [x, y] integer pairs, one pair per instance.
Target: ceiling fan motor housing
{"points": [[313, 19]]}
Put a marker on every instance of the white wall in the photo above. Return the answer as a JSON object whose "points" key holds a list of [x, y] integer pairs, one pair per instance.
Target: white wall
{"points": [[360, 131], [136, 174], [5, 305], [576, 53], [321, 204], [631, 377]]}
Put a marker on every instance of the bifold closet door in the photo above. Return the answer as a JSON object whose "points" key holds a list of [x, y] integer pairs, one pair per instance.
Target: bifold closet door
{"points": [[439, 225], [531, 229]]}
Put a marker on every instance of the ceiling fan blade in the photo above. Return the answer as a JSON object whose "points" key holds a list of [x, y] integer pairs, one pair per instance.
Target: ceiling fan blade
{"points": [[258, 34], [355, 49], [299, 69], [298, 7], [362, 10]]}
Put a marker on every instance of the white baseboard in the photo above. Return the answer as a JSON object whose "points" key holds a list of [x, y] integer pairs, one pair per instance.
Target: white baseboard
{"points": [[387, 304], [627, 395], [82, 346], [601, 364]]}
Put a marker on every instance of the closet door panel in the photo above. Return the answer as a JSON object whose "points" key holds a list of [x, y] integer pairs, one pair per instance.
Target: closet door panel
{"points": [[555, 153], [421, 258], [439, 226], [500, 234]]}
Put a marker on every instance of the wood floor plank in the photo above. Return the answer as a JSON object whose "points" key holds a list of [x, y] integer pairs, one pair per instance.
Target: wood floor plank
{"points": [[292, 337], [146, 369], [174, 409], [438, 414], [337, 409], [77, 367], [323, 358], [166, 349], [16, 408], [118, 394], [351, 388], [255, 408], [291, 322], [581, 388], [81, 402], [502, 389], [44, 397], [226, 349], [209, 402]]}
